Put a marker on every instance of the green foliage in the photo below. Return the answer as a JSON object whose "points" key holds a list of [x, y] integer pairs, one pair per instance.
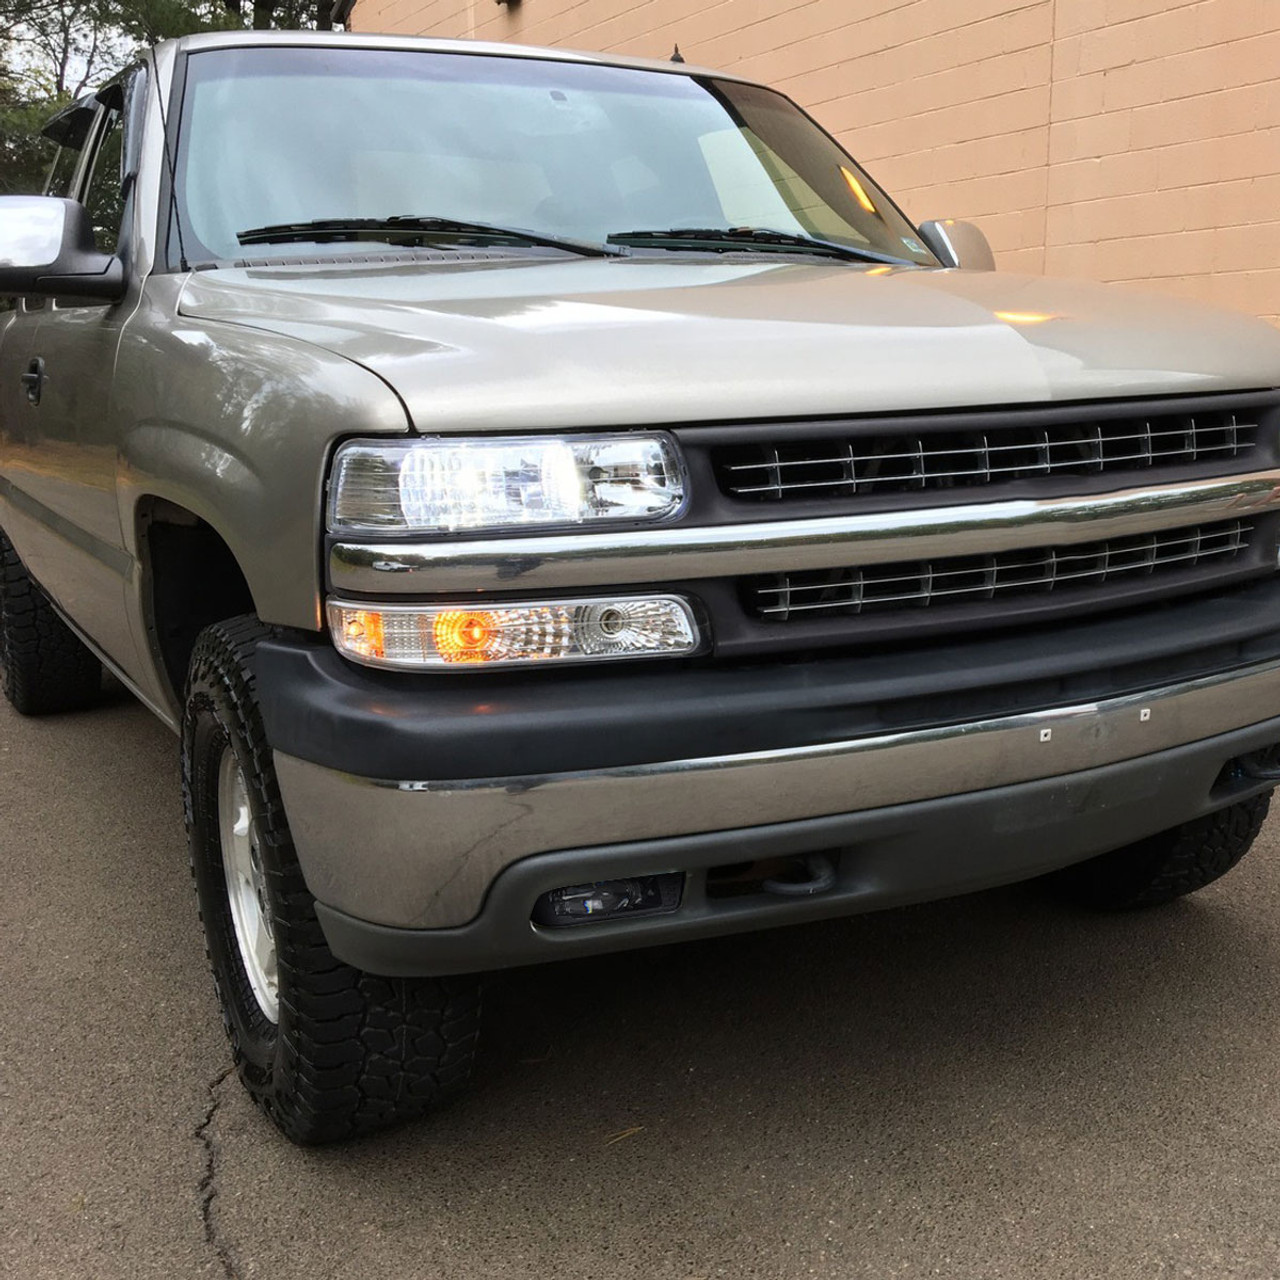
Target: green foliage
{"points": [[147, 22], [52, 48], [51, 51], [24, 155]]}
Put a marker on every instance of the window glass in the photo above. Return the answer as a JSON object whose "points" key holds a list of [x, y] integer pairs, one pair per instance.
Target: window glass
{"points": [[62, 141], [63, 172], [569, 149], [103, 196]]}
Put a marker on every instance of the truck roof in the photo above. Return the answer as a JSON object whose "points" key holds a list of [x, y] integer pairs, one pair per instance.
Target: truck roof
{"points": [[495, 49]]}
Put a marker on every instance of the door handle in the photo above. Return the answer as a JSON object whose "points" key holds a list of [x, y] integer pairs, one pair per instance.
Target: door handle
{"points": [[33, 380]]}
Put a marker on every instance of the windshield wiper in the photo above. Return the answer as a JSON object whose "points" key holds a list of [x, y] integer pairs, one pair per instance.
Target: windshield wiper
{"points": [[407, 228], [759, 238]]}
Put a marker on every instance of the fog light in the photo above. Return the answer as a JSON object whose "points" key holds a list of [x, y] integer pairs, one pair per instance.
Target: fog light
{"points": [[417, 636], [610, 899]]}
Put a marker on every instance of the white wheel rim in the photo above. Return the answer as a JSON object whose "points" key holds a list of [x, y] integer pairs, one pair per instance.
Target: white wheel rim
{"points": [[247, 887]]}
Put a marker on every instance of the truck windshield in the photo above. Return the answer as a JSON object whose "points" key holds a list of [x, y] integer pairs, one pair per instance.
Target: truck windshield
{"points": [[275, 136]]}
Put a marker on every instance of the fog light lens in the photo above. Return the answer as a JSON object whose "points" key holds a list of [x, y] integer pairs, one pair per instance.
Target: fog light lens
{"points": [[610, 899], [415, 637]]}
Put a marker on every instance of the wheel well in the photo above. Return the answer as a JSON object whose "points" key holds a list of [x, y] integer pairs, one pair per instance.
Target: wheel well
{"points": [[192, 580]]}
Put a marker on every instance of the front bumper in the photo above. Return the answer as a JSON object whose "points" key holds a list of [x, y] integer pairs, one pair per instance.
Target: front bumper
{"points": [[884, 858], [437, 876]]}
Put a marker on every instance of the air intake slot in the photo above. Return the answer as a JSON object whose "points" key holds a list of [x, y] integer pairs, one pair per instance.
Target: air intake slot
{"points": [[990, 579], [883, 463]]}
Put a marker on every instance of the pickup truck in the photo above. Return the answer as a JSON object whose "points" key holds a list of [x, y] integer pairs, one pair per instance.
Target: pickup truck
{"points": [[562, 504]]}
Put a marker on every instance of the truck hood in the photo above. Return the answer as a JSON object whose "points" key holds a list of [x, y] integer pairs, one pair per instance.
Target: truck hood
{"points": [[514, 344]]}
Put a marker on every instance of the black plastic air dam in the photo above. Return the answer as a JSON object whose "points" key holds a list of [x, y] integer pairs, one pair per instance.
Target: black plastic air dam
{"points": [[888, 857], [392, 725]]}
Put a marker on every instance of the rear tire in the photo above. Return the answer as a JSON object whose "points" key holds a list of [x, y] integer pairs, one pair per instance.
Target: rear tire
{"points": [[327, 1051], [46, 666], [1168, 865]]}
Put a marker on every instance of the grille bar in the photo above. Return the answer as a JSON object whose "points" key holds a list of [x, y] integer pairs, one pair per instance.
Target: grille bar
{"points": [[1145, 436], [968, 579], [954, 459], [987, 474]]}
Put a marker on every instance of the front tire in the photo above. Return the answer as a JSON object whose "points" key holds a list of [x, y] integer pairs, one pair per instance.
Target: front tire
{"points": [[327, 1051], [46, 667], [1168, 865]]}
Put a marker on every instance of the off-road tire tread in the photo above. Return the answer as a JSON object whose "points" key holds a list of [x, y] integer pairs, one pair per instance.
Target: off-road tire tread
{"points": [[46, 667], [355, 1052], [1170, 864]]}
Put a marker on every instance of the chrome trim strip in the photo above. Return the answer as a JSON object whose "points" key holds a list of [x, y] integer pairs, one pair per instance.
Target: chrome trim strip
{"points": [[677, 552], [423, 853]]}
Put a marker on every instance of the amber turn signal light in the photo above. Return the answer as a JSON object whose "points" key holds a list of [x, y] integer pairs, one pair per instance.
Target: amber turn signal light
{"points": [[545, 631]]}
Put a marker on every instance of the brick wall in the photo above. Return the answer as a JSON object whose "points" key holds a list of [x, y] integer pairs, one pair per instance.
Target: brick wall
{"points": [[1132, 140]]}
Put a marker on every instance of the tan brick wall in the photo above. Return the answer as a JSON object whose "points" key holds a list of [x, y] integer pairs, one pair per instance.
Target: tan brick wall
{"points": [[1132, 140]]}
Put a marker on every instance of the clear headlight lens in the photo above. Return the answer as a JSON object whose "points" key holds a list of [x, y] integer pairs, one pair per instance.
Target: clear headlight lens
{"points": [[439, 486], [428, 636]]}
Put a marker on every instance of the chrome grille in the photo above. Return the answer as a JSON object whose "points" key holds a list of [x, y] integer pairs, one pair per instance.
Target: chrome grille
{"points": [[906, 463], [1001, 576]]}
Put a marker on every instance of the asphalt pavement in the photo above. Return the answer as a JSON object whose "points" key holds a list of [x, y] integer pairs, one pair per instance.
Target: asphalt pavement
{"points": [[996, 1086]]}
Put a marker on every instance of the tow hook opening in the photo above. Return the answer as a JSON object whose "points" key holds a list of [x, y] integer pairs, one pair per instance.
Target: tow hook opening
{"points": [[1249, 769], [798, 876]]}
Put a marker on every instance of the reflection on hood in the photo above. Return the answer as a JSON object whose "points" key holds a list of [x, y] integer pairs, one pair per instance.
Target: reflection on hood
{"points": [[510, 344]]}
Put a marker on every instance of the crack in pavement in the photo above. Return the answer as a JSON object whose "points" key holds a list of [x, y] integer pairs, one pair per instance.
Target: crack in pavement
{"points": [[207, 1188]]}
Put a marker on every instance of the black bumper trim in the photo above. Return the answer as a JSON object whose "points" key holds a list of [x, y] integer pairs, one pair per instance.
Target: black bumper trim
{"points": [[377, 724]]}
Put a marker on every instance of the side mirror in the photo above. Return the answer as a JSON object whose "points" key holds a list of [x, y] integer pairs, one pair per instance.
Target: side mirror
{"points": [[958, 244], [47, 250]]}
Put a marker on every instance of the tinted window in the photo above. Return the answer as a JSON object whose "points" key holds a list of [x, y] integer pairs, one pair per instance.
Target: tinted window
{"points": [[62, 144], [63, 172], [103, 196]]}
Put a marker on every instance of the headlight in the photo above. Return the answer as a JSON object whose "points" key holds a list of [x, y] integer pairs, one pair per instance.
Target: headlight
{"points": [[442, 485], [431, 636]]}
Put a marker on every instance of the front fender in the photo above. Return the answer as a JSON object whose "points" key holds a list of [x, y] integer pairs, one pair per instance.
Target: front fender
{"points": [[237, 426]]}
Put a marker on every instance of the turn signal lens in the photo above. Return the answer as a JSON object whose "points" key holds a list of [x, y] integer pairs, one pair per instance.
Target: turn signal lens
{"points": [[462, 635], [362, 634], [414, 637]]}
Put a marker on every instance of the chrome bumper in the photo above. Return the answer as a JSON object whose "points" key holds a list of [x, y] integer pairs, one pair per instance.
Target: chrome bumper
{"points": [[422, 854]]}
